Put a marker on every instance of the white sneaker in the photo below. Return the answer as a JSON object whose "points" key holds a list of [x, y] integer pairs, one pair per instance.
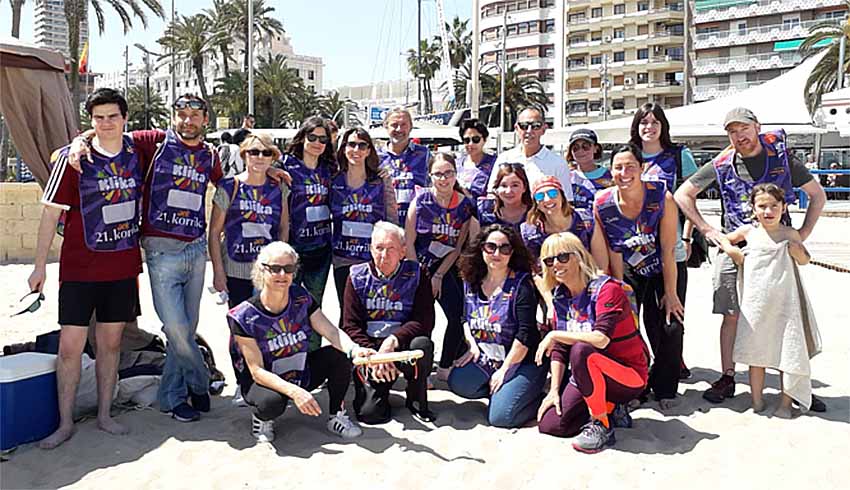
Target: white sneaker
{"points": [[262, 430], [238, 400], [342, 426]]}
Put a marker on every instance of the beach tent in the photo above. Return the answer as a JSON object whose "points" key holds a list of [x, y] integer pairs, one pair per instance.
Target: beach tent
{"points": [[778, 103], [35, 102]]}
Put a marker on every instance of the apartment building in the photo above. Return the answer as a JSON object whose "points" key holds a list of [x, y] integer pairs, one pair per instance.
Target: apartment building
{"points": [[51, 28], [532, 28], [623, 54], [741, 43]]}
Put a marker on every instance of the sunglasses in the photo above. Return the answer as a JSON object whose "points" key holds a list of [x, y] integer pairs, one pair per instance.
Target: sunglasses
{"points": [[190, 103], [312, 138], [278, 268], [533, 125], [360, 145], [504, 249], [34, 306], [448, 174], [550, 193], [512, 166], [474, 139], [255, 153], [562, 257]]}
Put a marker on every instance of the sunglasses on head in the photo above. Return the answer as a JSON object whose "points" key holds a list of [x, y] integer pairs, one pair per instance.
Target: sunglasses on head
{"points": [[34, 306], [278, 268], [550, 193], [512, 166], [312, 138], [448, 174], [562, 257], [535, 125], [360, 145], [190, 103], [255, 152], [504, 249], [474, 139]]}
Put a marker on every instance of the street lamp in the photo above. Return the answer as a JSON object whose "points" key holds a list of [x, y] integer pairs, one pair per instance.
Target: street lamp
{"points": [[503, 68]]}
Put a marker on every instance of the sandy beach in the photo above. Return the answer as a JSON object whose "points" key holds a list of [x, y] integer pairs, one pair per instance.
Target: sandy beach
{"points": [[694, 445]]}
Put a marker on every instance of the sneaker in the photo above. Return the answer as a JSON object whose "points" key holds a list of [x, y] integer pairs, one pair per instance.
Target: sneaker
{"points": [[263, 430], [621, 418], [201, 402], [185, 413], [594, 437], [342, 426], [238, 400], [721, 389]]}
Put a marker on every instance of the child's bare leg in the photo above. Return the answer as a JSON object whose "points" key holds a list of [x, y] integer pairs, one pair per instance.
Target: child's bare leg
{"points": [[757, 387], [783, 411]]}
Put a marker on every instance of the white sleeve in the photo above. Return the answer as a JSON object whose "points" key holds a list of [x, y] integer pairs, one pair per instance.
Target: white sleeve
{"points": [[491, 184], [566, 179]]}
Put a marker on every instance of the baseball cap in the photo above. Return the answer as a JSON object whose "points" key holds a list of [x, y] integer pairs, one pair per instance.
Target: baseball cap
{"points": [[740, 115], [584, 134], [547, 182]]}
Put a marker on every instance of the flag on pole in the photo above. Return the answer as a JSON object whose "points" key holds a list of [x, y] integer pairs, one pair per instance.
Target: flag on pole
{"points": [[84, 59]]}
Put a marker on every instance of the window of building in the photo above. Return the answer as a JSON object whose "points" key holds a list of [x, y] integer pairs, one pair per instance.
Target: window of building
{"points": [[619, 33], [549, 52], [790, 23], [512, 29], [578, 39], [596, 36], [643, 30], [577, 107], [643, 54], [547, 4], [595, 106], [311, 75], [595, 82], [577, 18], [642, 6], [522, 28], [620, 9], [742, 28], [596, 59], [618, 104], [575, 85], [549, 26], [676, 29], [675, 54], [643, 78], [576, 62], [619, 56], [596, 12], [619, 80]]}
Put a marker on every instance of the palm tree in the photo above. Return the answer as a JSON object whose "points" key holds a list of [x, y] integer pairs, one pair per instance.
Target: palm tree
{"points": [[460, 42], [264, 24], [522, 89], [231, 96], [277, 86], [77, 10], [17, 6], [823, 78], [300, 107], [431, 57], [194, 39], [221, 18], [158, 113]]}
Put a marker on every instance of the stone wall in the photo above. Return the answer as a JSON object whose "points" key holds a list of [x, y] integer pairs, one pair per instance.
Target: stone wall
{"points": [[20, 212]]}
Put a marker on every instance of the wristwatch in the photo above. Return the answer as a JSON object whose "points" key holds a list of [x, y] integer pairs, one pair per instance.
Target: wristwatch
{"points": [[686, 240]]}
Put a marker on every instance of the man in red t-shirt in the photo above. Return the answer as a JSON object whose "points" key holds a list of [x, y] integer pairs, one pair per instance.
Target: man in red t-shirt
{"points": [[179, 166], [100, 259]]}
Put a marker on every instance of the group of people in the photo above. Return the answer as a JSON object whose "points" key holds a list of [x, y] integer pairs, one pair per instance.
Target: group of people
{"points": [[493, 239]]}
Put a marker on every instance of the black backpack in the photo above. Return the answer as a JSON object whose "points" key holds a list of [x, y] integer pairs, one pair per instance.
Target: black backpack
{"points": [[699, 245]]}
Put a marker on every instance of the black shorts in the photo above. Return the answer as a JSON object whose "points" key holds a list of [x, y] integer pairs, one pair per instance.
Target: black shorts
{"points": [[110, 301]]}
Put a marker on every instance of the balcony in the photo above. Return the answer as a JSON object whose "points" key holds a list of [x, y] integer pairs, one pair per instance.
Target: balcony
{"points": [[708, 92], [755, 8], [754, 35], [737, 64]]}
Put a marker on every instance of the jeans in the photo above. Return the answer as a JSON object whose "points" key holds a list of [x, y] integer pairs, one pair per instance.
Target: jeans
{"points": [[177, 280], [517, 400], [451, 301]]}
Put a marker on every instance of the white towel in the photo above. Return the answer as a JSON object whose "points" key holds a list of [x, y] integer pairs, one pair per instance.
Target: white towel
{"points": [[776, 327]]}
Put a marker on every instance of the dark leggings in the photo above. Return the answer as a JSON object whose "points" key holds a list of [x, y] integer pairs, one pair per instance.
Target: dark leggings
{"points": [[451, 301], [313, 268], [372, 398], [664, 338], [238, 290], [598, 382], [340, 279], [325, 364]]}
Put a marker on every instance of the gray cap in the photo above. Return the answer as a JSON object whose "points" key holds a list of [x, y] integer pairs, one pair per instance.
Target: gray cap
{"points": [[584, 134], [740, 115]]}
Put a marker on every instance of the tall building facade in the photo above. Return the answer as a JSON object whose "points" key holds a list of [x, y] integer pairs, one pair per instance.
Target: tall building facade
{"points": [[51, 28], [741, 43], [614, 55]]}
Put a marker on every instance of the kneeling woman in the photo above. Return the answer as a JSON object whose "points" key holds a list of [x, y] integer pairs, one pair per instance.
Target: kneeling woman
{"points": [[273, 331], [500, 329], [598, 335]]}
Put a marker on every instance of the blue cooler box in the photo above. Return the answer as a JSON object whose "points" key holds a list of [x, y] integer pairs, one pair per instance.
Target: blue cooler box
{"points": [[28, 402]]}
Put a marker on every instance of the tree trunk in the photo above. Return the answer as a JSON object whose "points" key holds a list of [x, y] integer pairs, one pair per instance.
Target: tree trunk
{"points": [[225, 53], [73, 15], [198, 64], [17, 6]]}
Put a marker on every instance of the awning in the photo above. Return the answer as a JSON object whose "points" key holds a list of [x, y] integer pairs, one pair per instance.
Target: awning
{"points": [[795, 44], [714, 4]]}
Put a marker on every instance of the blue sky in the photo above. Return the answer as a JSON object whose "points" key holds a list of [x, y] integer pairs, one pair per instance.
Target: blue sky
{"points": [[359, 40]]}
